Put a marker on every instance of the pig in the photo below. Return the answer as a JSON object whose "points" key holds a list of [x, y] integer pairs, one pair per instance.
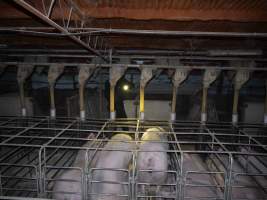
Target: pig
{"points": [[108, 160], [156, 160], [71, 188]]}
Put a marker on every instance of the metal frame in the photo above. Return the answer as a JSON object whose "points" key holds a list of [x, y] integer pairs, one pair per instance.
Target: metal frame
{"points": [[76, 19], [220, 159]]}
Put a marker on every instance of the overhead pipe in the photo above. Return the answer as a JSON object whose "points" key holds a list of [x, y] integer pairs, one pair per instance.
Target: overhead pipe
{"points": [[241, 77], [54, 72], [115, 73], [146, 75], [209, 77], [84, 74], [143, 32], [179, 76], [24, 71]]}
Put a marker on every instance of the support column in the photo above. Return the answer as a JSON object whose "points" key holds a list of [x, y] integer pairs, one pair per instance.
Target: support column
{"points": [[24, 71], [265, 113], [53, 74], [115, 74], [209, 77], [146, 75], [84, 73], [179, 76], [241, 77]]}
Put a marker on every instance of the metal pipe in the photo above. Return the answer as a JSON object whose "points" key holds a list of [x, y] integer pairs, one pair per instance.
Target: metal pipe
{"points": [[151, 32], [46, 19]]}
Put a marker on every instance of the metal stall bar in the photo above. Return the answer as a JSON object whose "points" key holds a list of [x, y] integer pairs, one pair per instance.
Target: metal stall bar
{"points": [[46, 17]]}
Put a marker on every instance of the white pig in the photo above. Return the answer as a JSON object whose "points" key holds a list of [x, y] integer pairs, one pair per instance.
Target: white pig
{"points": [[71, 188], [108, 160], [156, 160]]}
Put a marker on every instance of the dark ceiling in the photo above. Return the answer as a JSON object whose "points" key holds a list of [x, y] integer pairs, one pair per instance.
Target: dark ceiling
{"points": [[234, 16]]}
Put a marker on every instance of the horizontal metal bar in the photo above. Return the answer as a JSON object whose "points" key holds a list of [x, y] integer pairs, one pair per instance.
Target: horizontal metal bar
{"points": [[159, 32]]}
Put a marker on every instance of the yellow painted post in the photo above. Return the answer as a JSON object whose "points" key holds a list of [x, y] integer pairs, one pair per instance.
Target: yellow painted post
{"points": [[112, 102], [142, 102]]}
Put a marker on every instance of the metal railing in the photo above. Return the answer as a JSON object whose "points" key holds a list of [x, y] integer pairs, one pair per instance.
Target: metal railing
{"points": [[211, 161]]}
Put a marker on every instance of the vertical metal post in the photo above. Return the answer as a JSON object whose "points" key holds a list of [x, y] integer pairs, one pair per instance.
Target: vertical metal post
{"points": [[204, 104], [115, 74], [179, 76], [52, 101], [142, 102], [173, 108], [84, 73], [53, 74], [24, 71], [146, 75], [209, 77], [241, 77], [235, 106], [112, 102]]}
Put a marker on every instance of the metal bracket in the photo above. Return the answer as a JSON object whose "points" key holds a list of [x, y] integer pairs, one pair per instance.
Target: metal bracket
{"points": [[85, 72], [146, 75], [54, 72], [179, 76], [24, 71], [241, 77], [115, 73], [210, 76]]}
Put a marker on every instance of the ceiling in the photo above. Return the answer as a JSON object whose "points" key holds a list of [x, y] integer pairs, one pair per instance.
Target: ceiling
{"points": [[184, 22]]}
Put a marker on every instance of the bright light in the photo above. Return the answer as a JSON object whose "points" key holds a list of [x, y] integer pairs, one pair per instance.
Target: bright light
{"points": [[125, 87]]}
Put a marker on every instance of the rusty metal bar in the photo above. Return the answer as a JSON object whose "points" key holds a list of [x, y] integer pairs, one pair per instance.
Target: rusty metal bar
{"points": [[46, 19]]}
